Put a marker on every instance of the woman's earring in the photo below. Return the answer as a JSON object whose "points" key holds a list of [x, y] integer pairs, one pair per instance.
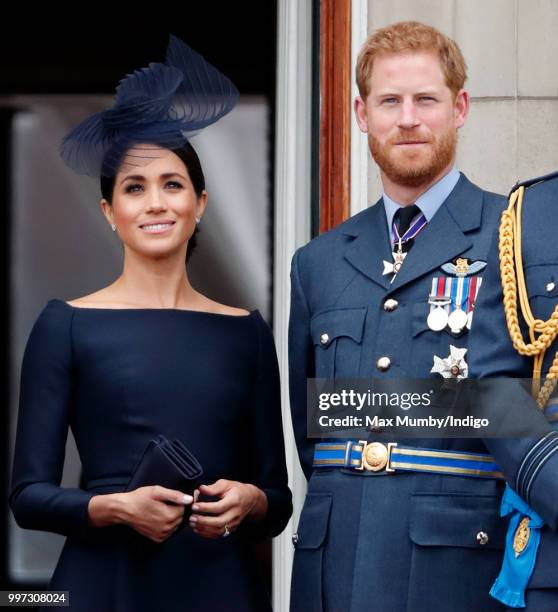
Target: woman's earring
{"points": [[197, 220], [113, 226]]}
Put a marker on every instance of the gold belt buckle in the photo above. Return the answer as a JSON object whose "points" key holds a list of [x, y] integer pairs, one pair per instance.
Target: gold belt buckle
{"points": [[376, 457]]}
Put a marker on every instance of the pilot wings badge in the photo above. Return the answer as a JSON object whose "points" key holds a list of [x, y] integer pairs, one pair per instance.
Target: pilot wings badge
{"points": [[462, 267]]}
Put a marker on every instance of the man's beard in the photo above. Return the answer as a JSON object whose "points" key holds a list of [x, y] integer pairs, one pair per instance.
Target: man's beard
{"points": [[413, 168]]}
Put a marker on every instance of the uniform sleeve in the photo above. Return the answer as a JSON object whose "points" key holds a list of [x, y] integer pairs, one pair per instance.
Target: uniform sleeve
{"points": [[301, 365], [268, 448], [37, 499], [530, 463]]}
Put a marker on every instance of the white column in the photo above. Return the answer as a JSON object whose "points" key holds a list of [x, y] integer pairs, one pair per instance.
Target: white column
{"points": [[292, 229]]}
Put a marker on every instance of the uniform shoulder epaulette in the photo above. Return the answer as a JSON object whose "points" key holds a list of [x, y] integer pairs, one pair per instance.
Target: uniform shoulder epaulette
{"points": [[530, 182]]}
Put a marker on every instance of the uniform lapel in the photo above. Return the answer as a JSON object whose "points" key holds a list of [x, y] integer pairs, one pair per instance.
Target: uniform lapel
{"points": [[370, 245], [444, 238]]}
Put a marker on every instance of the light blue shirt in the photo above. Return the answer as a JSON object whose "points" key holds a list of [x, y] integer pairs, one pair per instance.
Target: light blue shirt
{"points": [[430, 201]]}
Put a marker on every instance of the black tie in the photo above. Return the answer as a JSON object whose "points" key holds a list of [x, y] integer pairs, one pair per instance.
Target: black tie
{"points": [[403, 218]]}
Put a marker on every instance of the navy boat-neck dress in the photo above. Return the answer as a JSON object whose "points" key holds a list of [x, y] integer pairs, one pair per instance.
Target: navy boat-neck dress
{"points": [[119, 378]]}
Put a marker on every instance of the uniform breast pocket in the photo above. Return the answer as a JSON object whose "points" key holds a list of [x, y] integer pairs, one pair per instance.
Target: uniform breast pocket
{"points": [[337, 337], [458, 543], [542, 287]]}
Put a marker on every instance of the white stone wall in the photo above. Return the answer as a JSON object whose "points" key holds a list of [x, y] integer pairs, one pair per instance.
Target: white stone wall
{"points": [[511, 49]]}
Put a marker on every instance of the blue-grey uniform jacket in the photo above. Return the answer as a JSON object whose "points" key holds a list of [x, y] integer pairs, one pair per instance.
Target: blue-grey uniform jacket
{"points": [[402, 541]]}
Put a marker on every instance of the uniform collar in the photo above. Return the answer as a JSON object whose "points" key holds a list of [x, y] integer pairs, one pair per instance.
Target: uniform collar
{"points": [[430, 201]]}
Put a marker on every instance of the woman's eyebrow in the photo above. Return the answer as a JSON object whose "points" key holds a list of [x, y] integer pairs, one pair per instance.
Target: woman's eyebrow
{"points": [[134, 177], [169, 174], [139, 177]]}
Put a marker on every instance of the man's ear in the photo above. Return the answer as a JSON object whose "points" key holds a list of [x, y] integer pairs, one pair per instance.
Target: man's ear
{"points": [[461, 108], [361, 115]]}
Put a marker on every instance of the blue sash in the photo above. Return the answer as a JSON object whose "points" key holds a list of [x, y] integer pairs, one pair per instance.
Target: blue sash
{"points": [[522, 543]]}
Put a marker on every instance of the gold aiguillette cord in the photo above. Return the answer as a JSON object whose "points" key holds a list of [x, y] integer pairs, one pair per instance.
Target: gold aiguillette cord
{"points": [[541, 333]]}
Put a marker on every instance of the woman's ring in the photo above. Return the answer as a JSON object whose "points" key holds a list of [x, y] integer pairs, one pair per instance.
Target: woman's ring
{"points": [[226, 533]]}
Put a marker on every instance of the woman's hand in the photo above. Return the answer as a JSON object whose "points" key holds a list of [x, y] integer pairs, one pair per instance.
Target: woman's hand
{"points": [[155, 512], [237, 501]]}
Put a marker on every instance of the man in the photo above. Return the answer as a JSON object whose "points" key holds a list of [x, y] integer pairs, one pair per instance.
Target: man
{"points": [[396, 302], [534, 478]]}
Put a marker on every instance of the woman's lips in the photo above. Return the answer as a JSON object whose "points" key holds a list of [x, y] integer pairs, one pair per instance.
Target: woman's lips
{"points": [[157, 228]]}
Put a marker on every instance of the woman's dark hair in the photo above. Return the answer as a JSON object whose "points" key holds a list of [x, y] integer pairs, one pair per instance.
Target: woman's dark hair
{"points": [[190, 158]]}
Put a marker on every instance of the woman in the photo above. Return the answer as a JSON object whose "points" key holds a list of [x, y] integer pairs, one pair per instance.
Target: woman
{"points": [[145, 356]]}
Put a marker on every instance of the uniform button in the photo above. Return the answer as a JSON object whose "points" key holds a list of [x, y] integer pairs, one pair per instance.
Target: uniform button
{"points": [[550, 287], [482, 538], [383, 364], [295, 539], [324, 338], [390, 305]]}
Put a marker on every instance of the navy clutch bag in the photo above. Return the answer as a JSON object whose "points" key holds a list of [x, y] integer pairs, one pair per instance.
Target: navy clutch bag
{"points": [[167, 463]]}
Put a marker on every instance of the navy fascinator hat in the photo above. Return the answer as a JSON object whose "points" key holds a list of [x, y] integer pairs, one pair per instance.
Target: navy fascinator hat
{"points": [[160, 105]]}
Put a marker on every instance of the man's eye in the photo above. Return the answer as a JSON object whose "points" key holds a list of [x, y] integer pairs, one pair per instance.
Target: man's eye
{"points": [[389, 100], [132, 187], [427, 99]]}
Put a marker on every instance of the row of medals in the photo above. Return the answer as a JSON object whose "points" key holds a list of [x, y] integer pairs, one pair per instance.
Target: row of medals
{"points": [[438, 319]]}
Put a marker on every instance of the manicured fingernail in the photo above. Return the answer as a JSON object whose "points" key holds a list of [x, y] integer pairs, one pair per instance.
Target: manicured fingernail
{"points": [[188, 499], [193, 520], [195, 507]]}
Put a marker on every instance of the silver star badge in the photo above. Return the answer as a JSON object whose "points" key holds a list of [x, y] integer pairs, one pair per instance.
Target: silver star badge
{"points": [[453, 366], [393, 267]]}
